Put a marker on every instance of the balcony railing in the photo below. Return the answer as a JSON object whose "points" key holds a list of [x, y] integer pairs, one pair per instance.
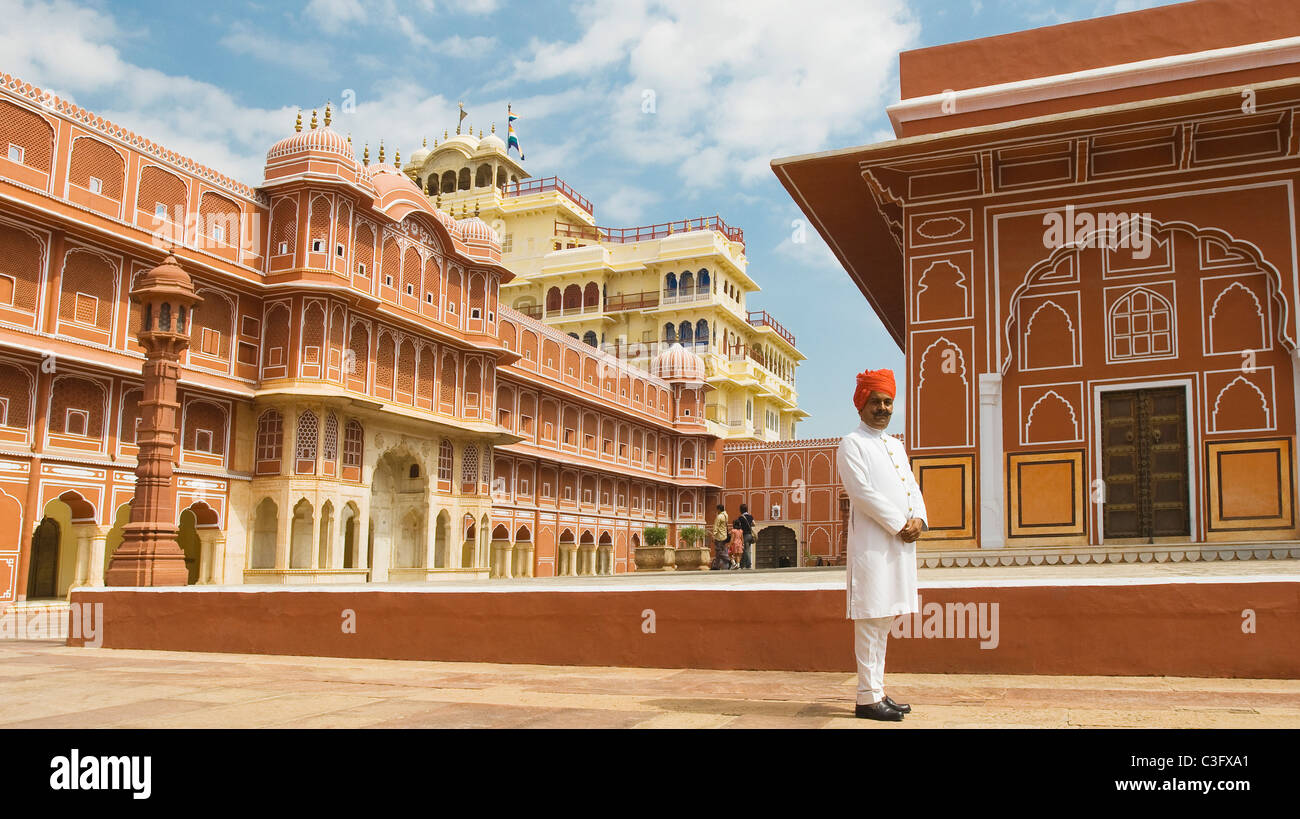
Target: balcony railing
{"points": [[686, 295], [760, 318], [531, 310], [645, 300], [647, 232], [549, 183]]}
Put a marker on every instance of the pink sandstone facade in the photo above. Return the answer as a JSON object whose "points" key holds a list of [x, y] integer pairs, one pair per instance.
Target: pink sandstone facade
{"points": [[1084, 239], [355, 405]]}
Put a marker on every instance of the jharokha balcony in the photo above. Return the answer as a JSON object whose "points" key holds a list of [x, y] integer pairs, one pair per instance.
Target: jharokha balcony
{"points": [[549, 183], [644, 233], [761, 318]]}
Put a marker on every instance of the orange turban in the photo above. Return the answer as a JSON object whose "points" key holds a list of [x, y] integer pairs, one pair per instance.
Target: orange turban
{"points": [[868, 380]]}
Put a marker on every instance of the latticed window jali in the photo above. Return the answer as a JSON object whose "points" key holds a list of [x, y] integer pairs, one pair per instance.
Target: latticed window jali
{"points": [[320, 222], [219, 219], [411, 271], [447, 394], [359, 346], [22, 262], [29, 132], [444, 460], [205, 428], [15, 396], [384, 363], [330, 446], [352, 444], [162, 187], [94, 159], [86, 289], [365, 249], [392, 261], [305, 449], [284, 229], [469, 464], [78, 395], [406, 369]]}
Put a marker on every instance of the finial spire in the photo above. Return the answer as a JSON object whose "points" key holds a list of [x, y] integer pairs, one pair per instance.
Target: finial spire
{"points": [[297, 126], [365, 158], [397, 157], [444, 133], [327, 114], [349, 137], [313, 119], [476, 208], [381, 152], [425, 143], [480, 133], [494, 127]]}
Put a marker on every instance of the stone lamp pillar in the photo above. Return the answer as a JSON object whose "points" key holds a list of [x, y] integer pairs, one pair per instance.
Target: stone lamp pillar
{"points": [[149, 554]]}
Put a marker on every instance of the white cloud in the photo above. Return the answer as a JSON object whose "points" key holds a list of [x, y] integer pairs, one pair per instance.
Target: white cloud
{"points": [[309, 59], [733, 84], [458, 46], [335, 15], [626, 206]]}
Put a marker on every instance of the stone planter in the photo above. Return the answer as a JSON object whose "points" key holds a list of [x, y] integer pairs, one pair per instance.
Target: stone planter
{"points": [[691, 558], [655, 558]]}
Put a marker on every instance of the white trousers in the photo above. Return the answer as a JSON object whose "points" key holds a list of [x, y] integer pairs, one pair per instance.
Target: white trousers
{"points": [[869, 639]]}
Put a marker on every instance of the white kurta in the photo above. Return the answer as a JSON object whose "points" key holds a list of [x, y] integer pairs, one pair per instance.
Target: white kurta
{"points": [[881, 576]]}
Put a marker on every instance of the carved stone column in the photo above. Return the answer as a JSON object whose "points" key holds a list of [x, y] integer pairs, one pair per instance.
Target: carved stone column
{"points": [[149, 554]]}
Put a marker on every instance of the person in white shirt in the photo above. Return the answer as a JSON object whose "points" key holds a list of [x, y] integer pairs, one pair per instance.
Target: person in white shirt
{"points": [[888, 515]]}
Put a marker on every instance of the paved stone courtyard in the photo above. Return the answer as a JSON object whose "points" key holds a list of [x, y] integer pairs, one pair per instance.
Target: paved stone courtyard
{"points": [[44, 684]]}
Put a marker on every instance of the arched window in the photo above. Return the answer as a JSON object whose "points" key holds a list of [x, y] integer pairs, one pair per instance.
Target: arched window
{"points": [[305, 446], [483, 178], [701, 332], [433, 185], [670, 283], [449, 182], [686, 283], [353, 441], [670, 334], [1141, 325], [444, 460], [553, 299], [703, 280], [464, 179], [589, 338], [269, 441], [684, 334]]}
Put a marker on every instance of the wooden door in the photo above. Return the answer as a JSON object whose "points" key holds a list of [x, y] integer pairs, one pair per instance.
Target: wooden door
{"points": [[43, 574], [1144, 464], [775, 548]]}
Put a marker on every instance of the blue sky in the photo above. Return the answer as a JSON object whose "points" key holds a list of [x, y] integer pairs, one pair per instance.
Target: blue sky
{"points": [[734, 84]]}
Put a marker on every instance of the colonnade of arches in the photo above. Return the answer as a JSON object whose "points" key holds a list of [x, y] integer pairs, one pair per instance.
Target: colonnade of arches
{"points": [[70, 549], [467, 178], [586, 555]]}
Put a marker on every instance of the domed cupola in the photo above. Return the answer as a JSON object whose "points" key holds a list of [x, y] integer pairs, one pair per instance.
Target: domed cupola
{"points": [[480, 239], [320, 149], [678, 364]]}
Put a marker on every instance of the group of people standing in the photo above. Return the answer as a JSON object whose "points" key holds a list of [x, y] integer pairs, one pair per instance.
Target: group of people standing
{"points": [[733, 541]]}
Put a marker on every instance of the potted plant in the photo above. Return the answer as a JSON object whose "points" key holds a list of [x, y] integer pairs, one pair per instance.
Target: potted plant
{"points": [[655, 555], [691, 556]]}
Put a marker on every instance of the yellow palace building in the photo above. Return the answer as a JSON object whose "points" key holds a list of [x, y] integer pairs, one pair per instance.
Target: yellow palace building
{"points": [[632, 292]]}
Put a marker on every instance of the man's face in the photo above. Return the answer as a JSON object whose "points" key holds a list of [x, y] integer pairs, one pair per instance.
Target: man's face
{"points": [[877, 411]]}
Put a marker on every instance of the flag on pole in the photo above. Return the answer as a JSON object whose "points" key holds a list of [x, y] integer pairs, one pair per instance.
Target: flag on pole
{"points": [[463, 114], [512, 139]]}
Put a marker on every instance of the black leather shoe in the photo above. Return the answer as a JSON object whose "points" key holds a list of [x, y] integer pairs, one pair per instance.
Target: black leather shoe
{"points": [[904, 708], [878, 710]]}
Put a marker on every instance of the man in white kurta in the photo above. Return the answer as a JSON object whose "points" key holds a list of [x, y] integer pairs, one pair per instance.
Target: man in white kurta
{"points": [[888, 515]]}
